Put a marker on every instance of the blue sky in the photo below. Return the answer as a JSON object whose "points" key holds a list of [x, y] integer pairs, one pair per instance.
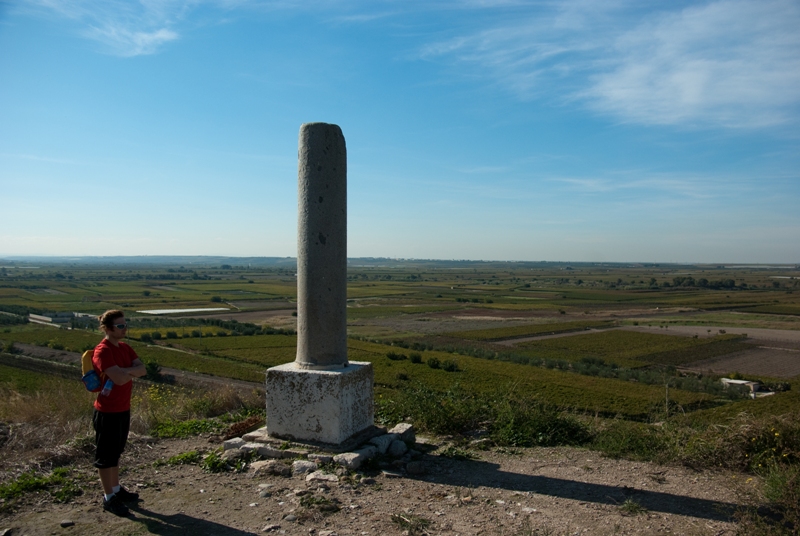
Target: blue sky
{"points": [[476, 129]]}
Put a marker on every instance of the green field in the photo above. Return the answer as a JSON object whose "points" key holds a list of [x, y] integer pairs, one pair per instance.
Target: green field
{"points": [[496, 334], [631, 348], [403, 302]]}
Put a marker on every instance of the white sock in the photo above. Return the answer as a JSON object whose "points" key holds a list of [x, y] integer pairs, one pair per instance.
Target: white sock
{"points": [[115, 489], [108, 496]]}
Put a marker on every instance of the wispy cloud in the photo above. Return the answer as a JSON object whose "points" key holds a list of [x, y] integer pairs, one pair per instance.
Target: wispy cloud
{"points": [[681, 186], [729, 63], [733, 63], [124, 28]]}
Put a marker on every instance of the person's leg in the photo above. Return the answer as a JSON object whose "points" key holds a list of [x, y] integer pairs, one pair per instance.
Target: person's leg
{"points": [[111, 432], [109, 478]]}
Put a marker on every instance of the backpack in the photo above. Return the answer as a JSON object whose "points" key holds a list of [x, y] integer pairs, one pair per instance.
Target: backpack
{"points": [[90, 378]]}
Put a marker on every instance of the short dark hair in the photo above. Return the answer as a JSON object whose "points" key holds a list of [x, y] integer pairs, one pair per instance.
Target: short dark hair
{"points": [[107, 319]]}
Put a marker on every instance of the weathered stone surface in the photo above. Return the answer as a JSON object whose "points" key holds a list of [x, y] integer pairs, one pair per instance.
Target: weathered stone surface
{"points": [[233, 455], [269, 452], [405, 431], [271, 528], [415, 468], [250, 447], [382, 443], [328, 406], [353, 460], [321, 396], [321, 477], [321, 247], [255, 435], [67, 523], [301, 467], [272, 467], [234, 443], [397, 448], [294, 453], [320, 458], [391, 474]]}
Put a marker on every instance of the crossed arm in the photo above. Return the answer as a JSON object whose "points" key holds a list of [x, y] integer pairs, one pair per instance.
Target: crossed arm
{"points": [[121, 376]]}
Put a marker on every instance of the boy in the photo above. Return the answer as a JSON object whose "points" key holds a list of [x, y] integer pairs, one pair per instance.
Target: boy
{"points": [[115, 361]]}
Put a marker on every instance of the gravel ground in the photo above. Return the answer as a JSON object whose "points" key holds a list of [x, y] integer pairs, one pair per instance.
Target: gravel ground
{"points": [[530, 491]]}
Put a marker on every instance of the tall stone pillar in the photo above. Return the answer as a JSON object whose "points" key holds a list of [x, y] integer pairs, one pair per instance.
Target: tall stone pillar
{"points": [[321, 396], [322, 248]]}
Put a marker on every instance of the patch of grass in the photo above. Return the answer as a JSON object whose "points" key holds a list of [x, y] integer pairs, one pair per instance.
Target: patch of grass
{"points": [[214, 463], [58, 483], [457, 453], [631, 508], [414, 525], [317, 502], [191, 457], [190, 428], [512, 420]]}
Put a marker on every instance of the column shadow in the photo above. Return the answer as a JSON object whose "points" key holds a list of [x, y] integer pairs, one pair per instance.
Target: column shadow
{"points": [[180, 524], [473, 473]]}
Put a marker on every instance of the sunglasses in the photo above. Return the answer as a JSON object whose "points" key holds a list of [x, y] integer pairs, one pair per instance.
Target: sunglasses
{"points": [[121, 326]]}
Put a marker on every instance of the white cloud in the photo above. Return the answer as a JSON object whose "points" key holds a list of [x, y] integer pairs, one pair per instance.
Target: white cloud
{"points": [[729, 63], [132, 43], [126, 28]]}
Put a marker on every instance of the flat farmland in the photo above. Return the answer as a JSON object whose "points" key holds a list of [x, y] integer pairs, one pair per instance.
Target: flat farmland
{"points": [[624, 348], [498, 334], [781, 363], [440, 305]]}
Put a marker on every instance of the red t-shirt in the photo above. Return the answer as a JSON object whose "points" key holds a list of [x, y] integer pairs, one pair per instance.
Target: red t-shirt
{"points": [[106, 355]]}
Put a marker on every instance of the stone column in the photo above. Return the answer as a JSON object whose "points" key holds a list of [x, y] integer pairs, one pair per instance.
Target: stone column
{"points": [[322, 248], [320, 396]]}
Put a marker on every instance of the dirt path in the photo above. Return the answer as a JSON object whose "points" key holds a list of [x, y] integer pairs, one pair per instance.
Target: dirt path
{"points": [[549, 490]]}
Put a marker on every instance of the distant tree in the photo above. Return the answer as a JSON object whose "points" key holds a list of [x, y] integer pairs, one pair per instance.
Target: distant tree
{"points": [[145, 293], [216, 299]]}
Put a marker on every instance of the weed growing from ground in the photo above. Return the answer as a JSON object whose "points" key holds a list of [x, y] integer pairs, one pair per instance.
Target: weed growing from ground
{"points": [[414, 525], [191, 457], [457, 453], [632, 508]]}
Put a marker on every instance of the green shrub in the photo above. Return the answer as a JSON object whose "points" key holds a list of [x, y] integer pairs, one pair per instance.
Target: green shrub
{"points": [[395, 356], [415, 357], [434, 362], [449, 365], [525, 423]]}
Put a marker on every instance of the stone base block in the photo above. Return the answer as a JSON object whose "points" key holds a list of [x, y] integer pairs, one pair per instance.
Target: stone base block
{"points": [[326, 406]]}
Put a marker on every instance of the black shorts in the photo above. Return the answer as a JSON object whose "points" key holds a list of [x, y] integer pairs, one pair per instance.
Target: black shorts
{"points": [[110, 436]]}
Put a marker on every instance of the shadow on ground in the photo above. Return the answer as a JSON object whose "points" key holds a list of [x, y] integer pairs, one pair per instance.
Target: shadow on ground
{"points": [[472, 473], [180, 524]]}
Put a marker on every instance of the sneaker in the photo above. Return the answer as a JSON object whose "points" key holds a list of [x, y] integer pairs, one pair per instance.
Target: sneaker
{"points": [[126, 496], [115, 506]]}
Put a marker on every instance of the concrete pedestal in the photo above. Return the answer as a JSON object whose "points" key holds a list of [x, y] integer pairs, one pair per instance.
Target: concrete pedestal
{"points": [[326, 406]]}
